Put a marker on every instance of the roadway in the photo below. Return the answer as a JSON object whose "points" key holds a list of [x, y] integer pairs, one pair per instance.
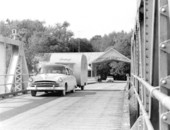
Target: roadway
{"points": [[98, 107]]}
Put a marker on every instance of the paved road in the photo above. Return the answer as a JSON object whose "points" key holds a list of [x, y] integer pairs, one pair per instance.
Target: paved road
{"points": [[98, 107]]}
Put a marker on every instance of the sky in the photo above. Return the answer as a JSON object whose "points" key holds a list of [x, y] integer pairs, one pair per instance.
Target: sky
{"points": [[87, 18]]}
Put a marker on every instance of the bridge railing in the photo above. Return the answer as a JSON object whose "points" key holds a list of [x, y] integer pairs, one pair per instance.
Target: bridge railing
{"points": [[144, 115], [12, 65], [155, 93], [17, 87], [150, 65]]}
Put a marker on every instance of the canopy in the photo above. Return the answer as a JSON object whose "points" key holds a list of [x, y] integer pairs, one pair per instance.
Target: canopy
{"points": [[110, 55]]}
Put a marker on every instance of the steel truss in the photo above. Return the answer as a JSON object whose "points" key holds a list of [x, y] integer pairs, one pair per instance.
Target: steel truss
{"points": [[12, 78], [150, 65]]}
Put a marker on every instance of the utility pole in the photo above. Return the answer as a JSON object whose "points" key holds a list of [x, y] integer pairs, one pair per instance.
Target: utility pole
{"points": [[79, 45]]}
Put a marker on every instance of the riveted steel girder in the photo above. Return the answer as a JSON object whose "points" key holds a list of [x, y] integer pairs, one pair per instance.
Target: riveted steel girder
{"points": [[2, 67], [164, 36], [12, 78]]}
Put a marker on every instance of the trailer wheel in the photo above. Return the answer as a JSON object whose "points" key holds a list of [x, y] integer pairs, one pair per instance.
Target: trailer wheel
{"points": [[82, 87], [24, 92], [33, 93], [46, 92], [74, 89]]}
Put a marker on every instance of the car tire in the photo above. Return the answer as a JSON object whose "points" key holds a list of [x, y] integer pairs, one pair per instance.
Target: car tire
{"points": [[74, 89], [63, 92], [46, 92], [33, 93], [82, 87]]}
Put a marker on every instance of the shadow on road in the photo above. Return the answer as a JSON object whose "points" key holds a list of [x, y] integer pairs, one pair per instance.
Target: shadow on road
{"points": [[34, 102], [80, 94], [40, 99], [23, 108]]}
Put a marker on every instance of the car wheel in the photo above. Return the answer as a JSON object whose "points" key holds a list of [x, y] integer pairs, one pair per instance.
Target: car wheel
{"points": [[33, 93], [46, 92], [74, 90], [63, 92], [25, 92], [82, 87]]}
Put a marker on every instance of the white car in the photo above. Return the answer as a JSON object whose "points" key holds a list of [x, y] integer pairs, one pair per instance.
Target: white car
{"points": [[109, 79], [53, 78]]}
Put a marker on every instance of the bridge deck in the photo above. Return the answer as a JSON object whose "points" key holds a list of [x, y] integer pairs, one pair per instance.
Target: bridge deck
{"points": [[99, 107]]}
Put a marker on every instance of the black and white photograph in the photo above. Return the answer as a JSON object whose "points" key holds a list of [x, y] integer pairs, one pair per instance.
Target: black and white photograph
{"points": [[85, 65]]}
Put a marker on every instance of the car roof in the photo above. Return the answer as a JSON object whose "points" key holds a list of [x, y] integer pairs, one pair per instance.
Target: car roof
{"points": [[52, 64]]}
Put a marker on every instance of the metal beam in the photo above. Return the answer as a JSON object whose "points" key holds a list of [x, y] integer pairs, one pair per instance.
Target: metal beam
{"points": [[164, 35], [2, 66], [10, 41]]}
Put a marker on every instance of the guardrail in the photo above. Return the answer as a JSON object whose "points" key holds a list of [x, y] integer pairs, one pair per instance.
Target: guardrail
{"points": [[155, 93], [14, 91]]}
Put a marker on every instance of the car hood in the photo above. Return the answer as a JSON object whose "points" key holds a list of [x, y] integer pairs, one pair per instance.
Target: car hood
{"points": [[50, 77]]}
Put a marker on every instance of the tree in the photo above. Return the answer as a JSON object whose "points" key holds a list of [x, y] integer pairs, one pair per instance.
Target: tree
{"points": [[103, 69], [121, 41], [56, 39], [38, 38], [119, 69], [96, 43], [78, 44]]}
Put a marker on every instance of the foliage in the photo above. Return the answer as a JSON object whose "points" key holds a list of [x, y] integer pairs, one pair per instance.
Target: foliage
{"points": [[103, 70], [25, 29], [80, 45], [120, 41], [96, 42], [119, 69], [40, 39]]}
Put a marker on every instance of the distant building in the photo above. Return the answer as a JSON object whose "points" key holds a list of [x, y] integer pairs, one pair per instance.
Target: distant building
{"points": [[91, 56]]}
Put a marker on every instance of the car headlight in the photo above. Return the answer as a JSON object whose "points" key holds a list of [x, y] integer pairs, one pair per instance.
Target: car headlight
{"points": [[31, 79], [60, 80]]}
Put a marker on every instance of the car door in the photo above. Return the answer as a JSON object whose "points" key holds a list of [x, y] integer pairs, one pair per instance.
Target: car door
{"points": [[69, 79], [73, 79]]}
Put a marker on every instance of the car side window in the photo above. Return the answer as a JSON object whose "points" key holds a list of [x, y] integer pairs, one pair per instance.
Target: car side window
{"points": [[67, 71], [71, 72]]}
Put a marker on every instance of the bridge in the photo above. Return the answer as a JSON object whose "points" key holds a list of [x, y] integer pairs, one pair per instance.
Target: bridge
{"points": [[140, 103], [99, 106]]}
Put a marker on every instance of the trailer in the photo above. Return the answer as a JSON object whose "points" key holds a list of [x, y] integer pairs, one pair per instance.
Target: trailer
{"points": [[76, 61]]}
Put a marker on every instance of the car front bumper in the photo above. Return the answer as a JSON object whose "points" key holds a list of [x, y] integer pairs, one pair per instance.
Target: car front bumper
{"points": [[45, 88]]}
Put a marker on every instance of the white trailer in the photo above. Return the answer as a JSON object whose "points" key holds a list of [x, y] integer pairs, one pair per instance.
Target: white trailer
{"points": [[77, 62]]}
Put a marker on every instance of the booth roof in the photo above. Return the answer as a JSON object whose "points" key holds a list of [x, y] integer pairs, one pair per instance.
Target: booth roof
{"points": [[112, 54], [92, 56]]}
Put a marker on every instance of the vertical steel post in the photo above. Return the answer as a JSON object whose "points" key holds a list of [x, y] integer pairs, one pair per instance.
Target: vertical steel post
{"points": [[2, 66], [149, 13], [140, 22], [164, 35], [24, 67]]}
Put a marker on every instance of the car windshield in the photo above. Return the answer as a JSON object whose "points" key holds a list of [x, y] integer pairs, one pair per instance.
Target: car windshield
{"points": [[52, 69]]}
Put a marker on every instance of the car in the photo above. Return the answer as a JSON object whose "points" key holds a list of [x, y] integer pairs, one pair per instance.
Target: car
{"points": [[53, 78], [109, 79]]}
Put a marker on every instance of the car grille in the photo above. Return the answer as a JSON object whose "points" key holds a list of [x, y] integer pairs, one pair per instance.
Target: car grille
{"points": [[45, 84]]}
